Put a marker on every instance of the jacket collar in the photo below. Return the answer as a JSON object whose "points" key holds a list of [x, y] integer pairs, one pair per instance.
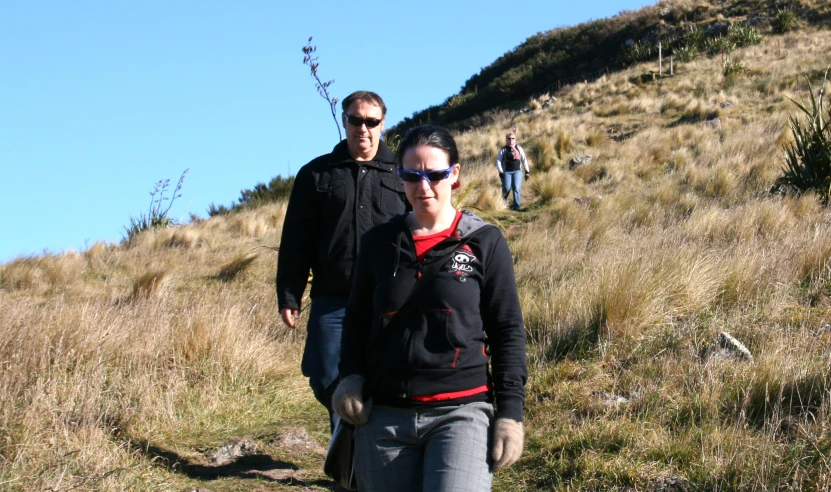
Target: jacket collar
{"points": [[469, 224], [384, 159]]}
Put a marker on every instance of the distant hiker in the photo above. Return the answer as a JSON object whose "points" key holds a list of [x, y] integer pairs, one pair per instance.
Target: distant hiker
{"points": [[433, 339], [510, 162], [335, 199]]}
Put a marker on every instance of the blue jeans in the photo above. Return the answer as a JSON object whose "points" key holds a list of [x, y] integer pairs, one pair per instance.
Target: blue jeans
{"points": [[430, 448], [322, 352], [512, 180]]}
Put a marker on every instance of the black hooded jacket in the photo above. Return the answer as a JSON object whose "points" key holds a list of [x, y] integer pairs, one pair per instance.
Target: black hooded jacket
{"points": [[333, 202], [443, 339]]}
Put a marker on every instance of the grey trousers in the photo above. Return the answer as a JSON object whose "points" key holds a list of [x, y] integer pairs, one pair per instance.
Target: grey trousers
{"points": [[426, 449]]}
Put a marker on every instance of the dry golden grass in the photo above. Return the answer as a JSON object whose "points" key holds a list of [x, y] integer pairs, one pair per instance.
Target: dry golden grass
{"points": [[626, 277], [89, 383], [238, 265], [43, 273], [556, 184], [543, 155], [151, 284]]}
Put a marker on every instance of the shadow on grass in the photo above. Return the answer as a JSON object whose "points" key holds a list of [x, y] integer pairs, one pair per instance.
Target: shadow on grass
{"points": [[255, 466]]}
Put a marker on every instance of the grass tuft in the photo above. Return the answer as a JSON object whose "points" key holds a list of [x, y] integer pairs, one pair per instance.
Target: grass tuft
{"points": [[238, 265], [151, 284]]}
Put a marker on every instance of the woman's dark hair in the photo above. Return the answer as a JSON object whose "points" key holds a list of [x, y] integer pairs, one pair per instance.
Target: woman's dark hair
{"points": [[431, 135]]}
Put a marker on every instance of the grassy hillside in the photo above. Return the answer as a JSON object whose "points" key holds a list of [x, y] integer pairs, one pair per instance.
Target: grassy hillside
{"points": [[126, 368], [536, 66]]}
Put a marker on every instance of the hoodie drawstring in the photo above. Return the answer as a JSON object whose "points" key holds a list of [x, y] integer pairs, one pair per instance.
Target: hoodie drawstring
{"points": [[397, 254]]}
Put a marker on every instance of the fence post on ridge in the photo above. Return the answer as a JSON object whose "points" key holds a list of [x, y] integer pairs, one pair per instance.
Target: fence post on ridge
{"points": [[660, 61]]}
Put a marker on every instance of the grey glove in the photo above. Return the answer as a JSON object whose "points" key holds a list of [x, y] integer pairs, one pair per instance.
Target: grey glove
{"points": [[348, 400], [508, 438]]}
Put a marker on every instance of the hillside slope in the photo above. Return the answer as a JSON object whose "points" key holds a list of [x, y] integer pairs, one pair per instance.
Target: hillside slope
{"points": [[565, 55], [129, 367]]}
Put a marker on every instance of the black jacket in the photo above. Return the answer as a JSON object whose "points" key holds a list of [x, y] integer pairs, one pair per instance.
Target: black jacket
{"points": [[333, 202], [442, 340]]}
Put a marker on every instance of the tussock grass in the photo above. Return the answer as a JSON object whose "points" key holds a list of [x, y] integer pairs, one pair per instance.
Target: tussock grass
{"points": [[563, 143], [238, 265], [544, 155], [488, 200], [626, 281], [41, 273], [86, 381], [151, 284], [555, 184], [598, 138]]}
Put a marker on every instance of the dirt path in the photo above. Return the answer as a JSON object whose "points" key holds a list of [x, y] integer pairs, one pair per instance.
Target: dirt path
{"points": [[291, 460]]}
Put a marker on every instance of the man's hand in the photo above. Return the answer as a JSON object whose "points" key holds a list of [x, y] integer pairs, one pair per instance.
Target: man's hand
{"points": [[289, 316], [508, 438], [348, 400]]}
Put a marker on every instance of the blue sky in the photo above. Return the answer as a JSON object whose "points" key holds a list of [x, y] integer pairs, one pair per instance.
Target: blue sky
{"points": [[101, 99]]}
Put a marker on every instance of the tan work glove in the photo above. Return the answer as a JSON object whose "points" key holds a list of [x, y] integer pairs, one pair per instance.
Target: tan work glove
{"points": [[508, 438], [348, 400]]}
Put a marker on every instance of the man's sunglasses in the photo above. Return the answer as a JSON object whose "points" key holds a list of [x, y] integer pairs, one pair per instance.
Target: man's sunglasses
{"points": [[411, 176], [358, 121]]}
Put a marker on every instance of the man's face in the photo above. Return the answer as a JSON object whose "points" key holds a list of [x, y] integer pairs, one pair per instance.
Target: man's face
{"points": [[362, 140]]}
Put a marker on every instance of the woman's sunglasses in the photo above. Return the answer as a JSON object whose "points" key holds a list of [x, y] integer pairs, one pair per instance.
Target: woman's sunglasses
{"points": [[358, 121], [411, 176]]}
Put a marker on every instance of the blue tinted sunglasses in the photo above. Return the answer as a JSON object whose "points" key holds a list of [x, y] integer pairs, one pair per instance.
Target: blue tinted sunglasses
{"points": [[411, 176]]}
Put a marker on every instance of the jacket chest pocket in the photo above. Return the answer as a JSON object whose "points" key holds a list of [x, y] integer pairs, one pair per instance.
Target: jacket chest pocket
{"points": [[392, 197], [332, 193]]}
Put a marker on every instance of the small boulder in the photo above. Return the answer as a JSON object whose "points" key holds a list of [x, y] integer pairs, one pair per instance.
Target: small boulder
{"points": [[232, 450], [579, 161], [297, 441], [822, 330], [610, 401], [726, 104], [714, 124], [728, 347], [670, 483]]}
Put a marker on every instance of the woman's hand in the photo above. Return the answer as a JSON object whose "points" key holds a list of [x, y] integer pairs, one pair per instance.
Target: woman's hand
{"points": [[508, 438], [348, 400]]}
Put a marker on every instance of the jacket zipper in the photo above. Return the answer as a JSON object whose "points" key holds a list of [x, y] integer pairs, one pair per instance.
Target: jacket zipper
{"points": [[405, 386]]}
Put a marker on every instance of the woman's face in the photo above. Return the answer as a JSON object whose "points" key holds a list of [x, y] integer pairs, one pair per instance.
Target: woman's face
{"points": [[429, 198]]}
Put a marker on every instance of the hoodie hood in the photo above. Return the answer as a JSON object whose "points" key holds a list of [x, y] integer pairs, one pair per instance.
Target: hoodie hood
{"points": [[468, 226]]}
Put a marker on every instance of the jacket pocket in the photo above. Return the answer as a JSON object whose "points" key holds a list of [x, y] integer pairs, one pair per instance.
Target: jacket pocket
{"points": [[331, 186], [435, 345], [331, 194], [392, 197]]}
